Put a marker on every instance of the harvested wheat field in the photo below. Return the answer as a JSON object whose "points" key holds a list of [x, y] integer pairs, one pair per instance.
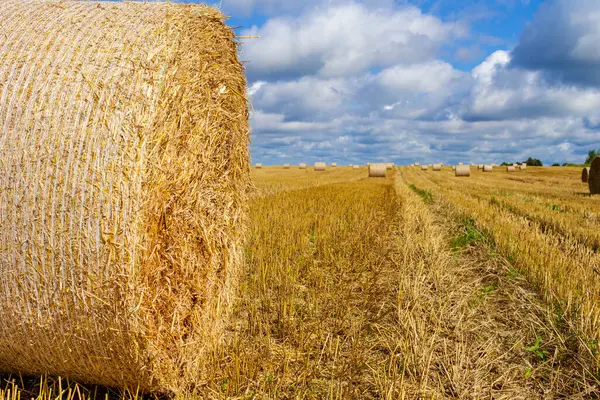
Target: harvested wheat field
{"points": [[412, 286]]}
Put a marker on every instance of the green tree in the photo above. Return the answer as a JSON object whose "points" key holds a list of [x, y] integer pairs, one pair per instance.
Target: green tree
{"points": [[591, 155], [534, 162]]}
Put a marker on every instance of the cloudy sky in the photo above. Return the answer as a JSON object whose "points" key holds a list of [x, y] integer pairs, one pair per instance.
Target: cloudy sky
{"points": [[421, 80]]}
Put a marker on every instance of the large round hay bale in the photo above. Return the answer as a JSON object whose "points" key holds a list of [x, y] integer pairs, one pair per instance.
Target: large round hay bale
{"points": [[320, 166], [377, 170], [584, 174], [462, 170], [124, 169], [510, 168], [488, 168], [594, 176], [302, 165], [437, 167]]}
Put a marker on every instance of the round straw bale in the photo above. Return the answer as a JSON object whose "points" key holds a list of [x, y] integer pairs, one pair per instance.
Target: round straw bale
{"points": [[286, 166], [377, 170], [320, 166], [462, 170], [510, 168], [437, 167], [424, 167], [480, 166], [488, 168], [355, 166], [258, 165], [124, 169], [460, 163], [417, 164], [453, 168], [523, 166], [584, 174], [594, 176], [333, 164], [302, 165], [389, 165]]}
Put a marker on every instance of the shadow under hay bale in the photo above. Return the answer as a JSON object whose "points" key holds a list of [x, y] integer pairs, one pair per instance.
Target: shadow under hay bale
{"points": [[123, 185]]}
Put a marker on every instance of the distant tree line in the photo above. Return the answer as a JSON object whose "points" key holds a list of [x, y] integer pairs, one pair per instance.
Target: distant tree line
{"points": [[534, 162], [531, 162]]}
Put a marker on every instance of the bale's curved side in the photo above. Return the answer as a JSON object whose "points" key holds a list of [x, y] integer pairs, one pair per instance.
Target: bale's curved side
{"points": [[510, 168], [462, 170], [584, 174], [125, 148], [488, 168], [377, 170], [594, 176], [437, 167], [320, 166]]}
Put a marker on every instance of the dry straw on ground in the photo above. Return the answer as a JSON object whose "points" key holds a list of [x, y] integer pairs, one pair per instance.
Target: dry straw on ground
{"points": [[302, 165], [377, 170], [584, 174], [437, 167], [462, 170], [510, 168], [594, 177], [123, 184], [488, 168], [320, 166]]}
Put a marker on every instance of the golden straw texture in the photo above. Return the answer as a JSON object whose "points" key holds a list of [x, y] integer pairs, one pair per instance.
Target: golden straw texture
{"points": [[123, 184], [377, 170], [462, 170], [320, 166], [594, 176], [584, 174]]}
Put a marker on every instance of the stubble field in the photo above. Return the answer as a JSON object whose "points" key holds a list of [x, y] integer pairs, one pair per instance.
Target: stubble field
{"points": [[417, 285]]}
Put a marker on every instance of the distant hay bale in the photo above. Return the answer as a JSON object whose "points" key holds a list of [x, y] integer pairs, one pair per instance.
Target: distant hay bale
{"points": [[333, 164], [302, 165], [462, 170], [460, 163], [377, 170], [355, 167], [389, 165], [488, 168], [494, 165], [584, 174], [320, 166], [437, 167], [417, 164], [258, 165], [594, 176], [480, 166], [511, 168], [523, 166], [123, 189], [424, 168], [453, 168], [286, 166]]}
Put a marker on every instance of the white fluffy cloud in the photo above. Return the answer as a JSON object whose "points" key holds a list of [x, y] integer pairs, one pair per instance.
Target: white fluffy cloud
{"points": [[345, 39]]}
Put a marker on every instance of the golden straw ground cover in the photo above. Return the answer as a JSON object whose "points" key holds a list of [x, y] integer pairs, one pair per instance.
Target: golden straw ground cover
{"points": [[361, 288], [543, 221]]}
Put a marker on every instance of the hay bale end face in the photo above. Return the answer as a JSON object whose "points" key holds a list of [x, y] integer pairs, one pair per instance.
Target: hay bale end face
{"points": [[377, 170], [510, 168], [320, 166], [128, 249], [584, 174], [488, 168], [437, 167], [594, 176], [462, 170], [302, 165]]}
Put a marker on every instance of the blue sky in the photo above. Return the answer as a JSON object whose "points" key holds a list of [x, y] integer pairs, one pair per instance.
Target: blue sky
{"points": [[421, 80]]}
